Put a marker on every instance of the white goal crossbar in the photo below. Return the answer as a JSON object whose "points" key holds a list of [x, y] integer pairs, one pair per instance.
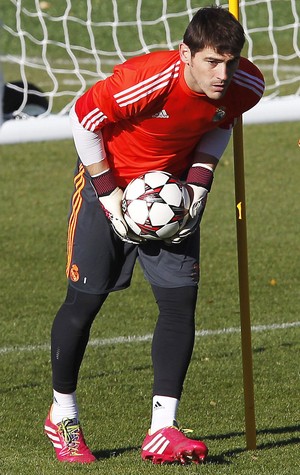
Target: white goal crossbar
{"points": [[57, 127]]}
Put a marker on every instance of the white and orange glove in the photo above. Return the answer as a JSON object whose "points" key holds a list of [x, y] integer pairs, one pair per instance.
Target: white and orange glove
{"points": [[110, 198], [199, 181]]}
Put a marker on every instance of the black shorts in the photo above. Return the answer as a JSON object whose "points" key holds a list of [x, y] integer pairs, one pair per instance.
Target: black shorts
{"points": [[99, 262]]}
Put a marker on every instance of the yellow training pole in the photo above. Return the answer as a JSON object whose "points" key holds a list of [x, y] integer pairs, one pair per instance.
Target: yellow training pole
{"points": [[241, 227]]}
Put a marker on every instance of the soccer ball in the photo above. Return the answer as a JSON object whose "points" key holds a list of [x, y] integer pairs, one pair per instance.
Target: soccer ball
{"points": [[156, 205]]}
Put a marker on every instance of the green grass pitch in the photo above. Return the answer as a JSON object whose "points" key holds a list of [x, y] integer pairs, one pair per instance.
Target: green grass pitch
{"points": [[115, 382]]}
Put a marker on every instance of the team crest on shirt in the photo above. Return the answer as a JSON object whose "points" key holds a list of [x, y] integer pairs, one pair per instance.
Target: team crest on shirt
{"points": [[219, 114]]}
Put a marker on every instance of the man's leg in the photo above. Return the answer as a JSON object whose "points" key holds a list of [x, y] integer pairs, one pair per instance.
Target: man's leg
{"points": [[69, 338], [98, 263], [172, 347], [70, 335]]}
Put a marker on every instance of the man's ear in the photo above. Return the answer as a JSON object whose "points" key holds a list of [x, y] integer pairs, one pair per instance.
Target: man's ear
{"points": [[185, 53]]}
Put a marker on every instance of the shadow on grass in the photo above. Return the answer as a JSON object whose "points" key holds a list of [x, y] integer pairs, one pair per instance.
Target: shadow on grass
{"points": [[261, 446], [108, 454], [224, 457]]}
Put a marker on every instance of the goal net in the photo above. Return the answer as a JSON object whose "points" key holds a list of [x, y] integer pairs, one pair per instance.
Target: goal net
{"points": [[51, 51]]}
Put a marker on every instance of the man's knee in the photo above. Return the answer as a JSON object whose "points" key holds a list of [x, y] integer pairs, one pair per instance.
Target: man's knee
{"points": [[179, 301], [80, 308]]}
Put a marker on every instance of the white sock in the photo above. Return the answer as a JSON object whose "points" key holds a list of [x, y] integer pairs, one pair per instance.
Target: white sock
{"points": [[64, 405], [164, 411]]}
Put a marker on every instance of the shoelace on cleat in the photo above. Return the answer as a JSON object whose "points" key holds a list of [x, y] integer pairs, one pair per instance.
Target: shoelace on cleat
{"points": [[186, 431], [181, 429], [70, 432]]}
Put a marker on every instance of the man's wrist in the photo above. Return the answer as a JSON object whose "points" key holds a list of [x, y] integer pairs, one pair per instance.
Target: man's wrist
{"points": [[104, 183], [200, 174]]}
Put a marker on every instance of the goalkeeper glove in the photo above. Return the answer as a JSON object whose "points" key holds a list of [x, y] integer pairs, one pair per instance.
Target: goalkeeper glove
{"points": [[198, 182], [110, 198]]}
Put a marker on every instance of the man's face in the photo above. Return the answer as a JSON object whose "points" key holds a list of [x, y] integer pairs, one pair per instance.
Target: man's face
{"points": [[208, 72]]}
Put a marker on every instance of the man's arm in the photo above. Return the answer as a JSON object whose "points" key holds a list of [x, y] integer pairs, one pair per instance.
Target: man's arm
{"points": [[212, 145], [206, 158], [200, 177], [91, 151]]}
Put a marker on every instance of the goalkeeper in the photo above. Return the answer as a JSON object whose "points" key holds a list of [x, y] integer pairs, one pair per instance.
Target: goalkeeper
{"points": [[166, 110]]}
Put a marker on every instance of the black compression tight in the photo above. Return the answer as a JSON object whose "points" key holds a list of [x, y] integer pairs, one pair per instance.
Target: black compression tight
{"points": [[70, 335], [172, 345], [173, 338]]}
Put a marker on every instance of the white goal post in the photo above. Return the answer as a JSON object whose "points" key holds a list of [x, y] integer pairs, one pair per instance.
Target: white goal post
{"points": [[52, 51]]}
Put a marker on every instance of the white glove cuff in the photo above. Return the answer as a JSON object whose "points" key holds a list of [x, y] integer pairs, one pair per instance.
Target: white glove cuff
{"points": [[104, 183], [201, 175]]}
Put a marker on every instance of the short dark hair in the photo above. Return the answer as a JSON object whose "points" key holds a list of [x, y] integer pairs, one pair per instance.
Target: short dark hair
{"points": [[214, 27]]}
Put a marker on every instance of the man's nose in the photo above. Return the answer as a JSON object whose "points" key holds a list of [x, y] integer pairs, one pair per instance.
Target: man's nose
{"points": [[222, 71]]}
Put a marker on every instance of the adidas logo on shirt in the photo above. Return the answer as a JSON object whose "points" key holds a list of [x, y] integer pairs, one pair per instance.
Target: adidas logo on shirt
{"points": [[161, 115]]}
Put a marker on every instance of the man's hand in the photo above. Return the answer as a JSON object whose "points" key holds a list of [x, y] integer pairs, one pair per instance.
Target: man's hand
{"points": [[198, 195], [110, 198], [198, 183], [111, 205]]}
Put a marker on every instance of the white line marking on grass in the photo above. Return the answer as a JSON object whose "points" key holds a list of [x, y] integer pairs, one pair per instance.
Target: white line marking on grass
{"points": [[139, 339]]}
